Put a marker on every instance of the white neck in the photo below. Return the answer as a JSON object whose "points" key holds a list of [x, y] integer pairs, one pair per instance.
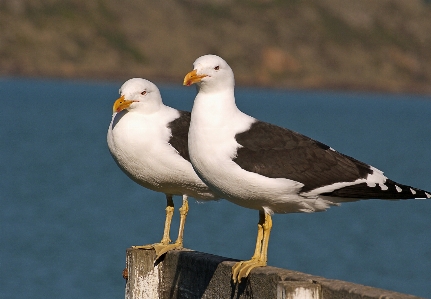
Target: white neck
{"points": [[213, 108], [216, 118]]}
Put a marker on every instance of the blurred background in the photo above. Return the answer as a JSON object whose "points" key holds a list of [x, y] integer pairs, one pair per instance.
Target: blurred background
{"points": [[355, 75], [380, 45]]}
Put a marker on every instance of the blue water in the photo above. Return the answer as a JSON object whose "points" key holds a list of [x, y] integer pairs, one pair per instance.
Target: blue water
{"points": [[67, 213]]}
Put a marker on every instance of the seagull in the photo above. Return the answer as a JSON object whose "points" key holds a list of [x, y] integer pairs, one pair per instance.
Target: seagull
{"points": [[268, 168], [148, 141]]}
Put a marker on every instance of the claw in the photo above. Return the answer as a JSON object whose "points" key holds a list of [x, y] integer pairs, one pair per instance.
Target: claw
{"points": [[161, 250], [144, 247], [246, 269], [165, 244], [235, 271], [242, 269]]}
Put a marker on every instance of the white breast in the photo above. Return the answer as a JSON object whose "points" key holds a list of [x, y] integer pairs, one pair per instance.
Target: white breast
{"points": [[212, 147], [140, 145]]}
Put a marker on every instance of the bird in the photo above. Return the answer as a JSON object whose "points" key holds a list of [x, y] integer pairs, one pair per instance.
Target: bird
{"points": [[268, 168], [148, 141]]}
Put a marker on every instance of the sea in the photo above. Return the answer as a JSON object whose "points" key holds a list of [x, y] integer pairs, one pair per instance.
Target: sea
{"points": [[68, 213]]}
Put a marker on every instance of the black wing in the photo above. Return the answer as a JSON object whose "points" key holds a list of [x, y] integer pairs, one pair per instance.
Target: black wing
{"points": [[179, 134], [394, 191], [277, 152]]}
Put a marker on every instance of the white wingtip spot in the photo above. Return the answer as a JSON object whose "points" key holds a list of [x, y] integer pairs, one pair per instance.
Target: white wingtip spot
{"points": [[398, 188], [376, 177], [412, 191], [428, 195], [384, 187]]}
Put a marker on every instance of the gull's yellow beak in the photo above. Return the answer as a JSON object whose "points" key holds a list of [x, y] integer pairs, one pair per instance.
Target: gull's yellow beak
{"points": [[120, 104], [192, 78]]}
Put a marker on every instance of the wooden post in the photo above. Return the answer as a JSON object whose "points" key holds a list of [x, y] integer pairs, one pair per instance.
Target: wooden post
{"points": [[142, 275], [191, 274], [298, 290]]}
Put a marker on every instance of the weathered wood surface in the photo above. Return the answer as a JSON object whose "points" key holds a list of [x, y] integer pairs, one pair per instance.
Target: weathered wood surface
{"points": [[192, 274]]}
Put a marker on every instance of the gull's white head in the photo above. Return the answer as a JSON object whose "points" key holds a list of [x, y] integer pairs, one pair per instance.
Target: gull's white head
{"points": [[210, 73], [138, 93]]}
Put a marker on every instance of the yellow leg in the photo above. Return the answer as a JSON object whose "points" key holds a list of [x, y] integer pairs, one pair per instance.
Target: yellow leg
{"points": [[169, 214], [179, 242], [165, 244], [165, 239], [258, 248], [183, 215], [259, 259], [267, 226]]}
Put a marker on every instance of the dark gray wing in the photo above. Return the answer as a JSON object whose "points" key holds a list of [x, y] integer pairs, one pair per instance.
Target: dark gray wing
{"points": [[277, 152], [179, 134]]}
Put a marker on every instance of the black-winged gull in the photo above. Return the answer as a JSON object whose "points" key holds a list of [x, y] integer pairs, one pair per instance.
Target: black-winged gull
{"points": [[148, 141], [261, 166]]}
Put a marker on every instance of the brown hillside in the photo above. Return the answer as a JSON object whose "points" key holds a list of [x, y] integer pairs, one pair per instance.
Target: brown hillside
{"points": [[364, 44]]}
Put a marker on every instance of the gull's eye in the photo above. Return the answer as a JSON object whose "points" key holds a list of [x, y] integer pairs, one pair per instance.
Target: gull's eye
{"points": [[217, 68], [144, 92]]}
